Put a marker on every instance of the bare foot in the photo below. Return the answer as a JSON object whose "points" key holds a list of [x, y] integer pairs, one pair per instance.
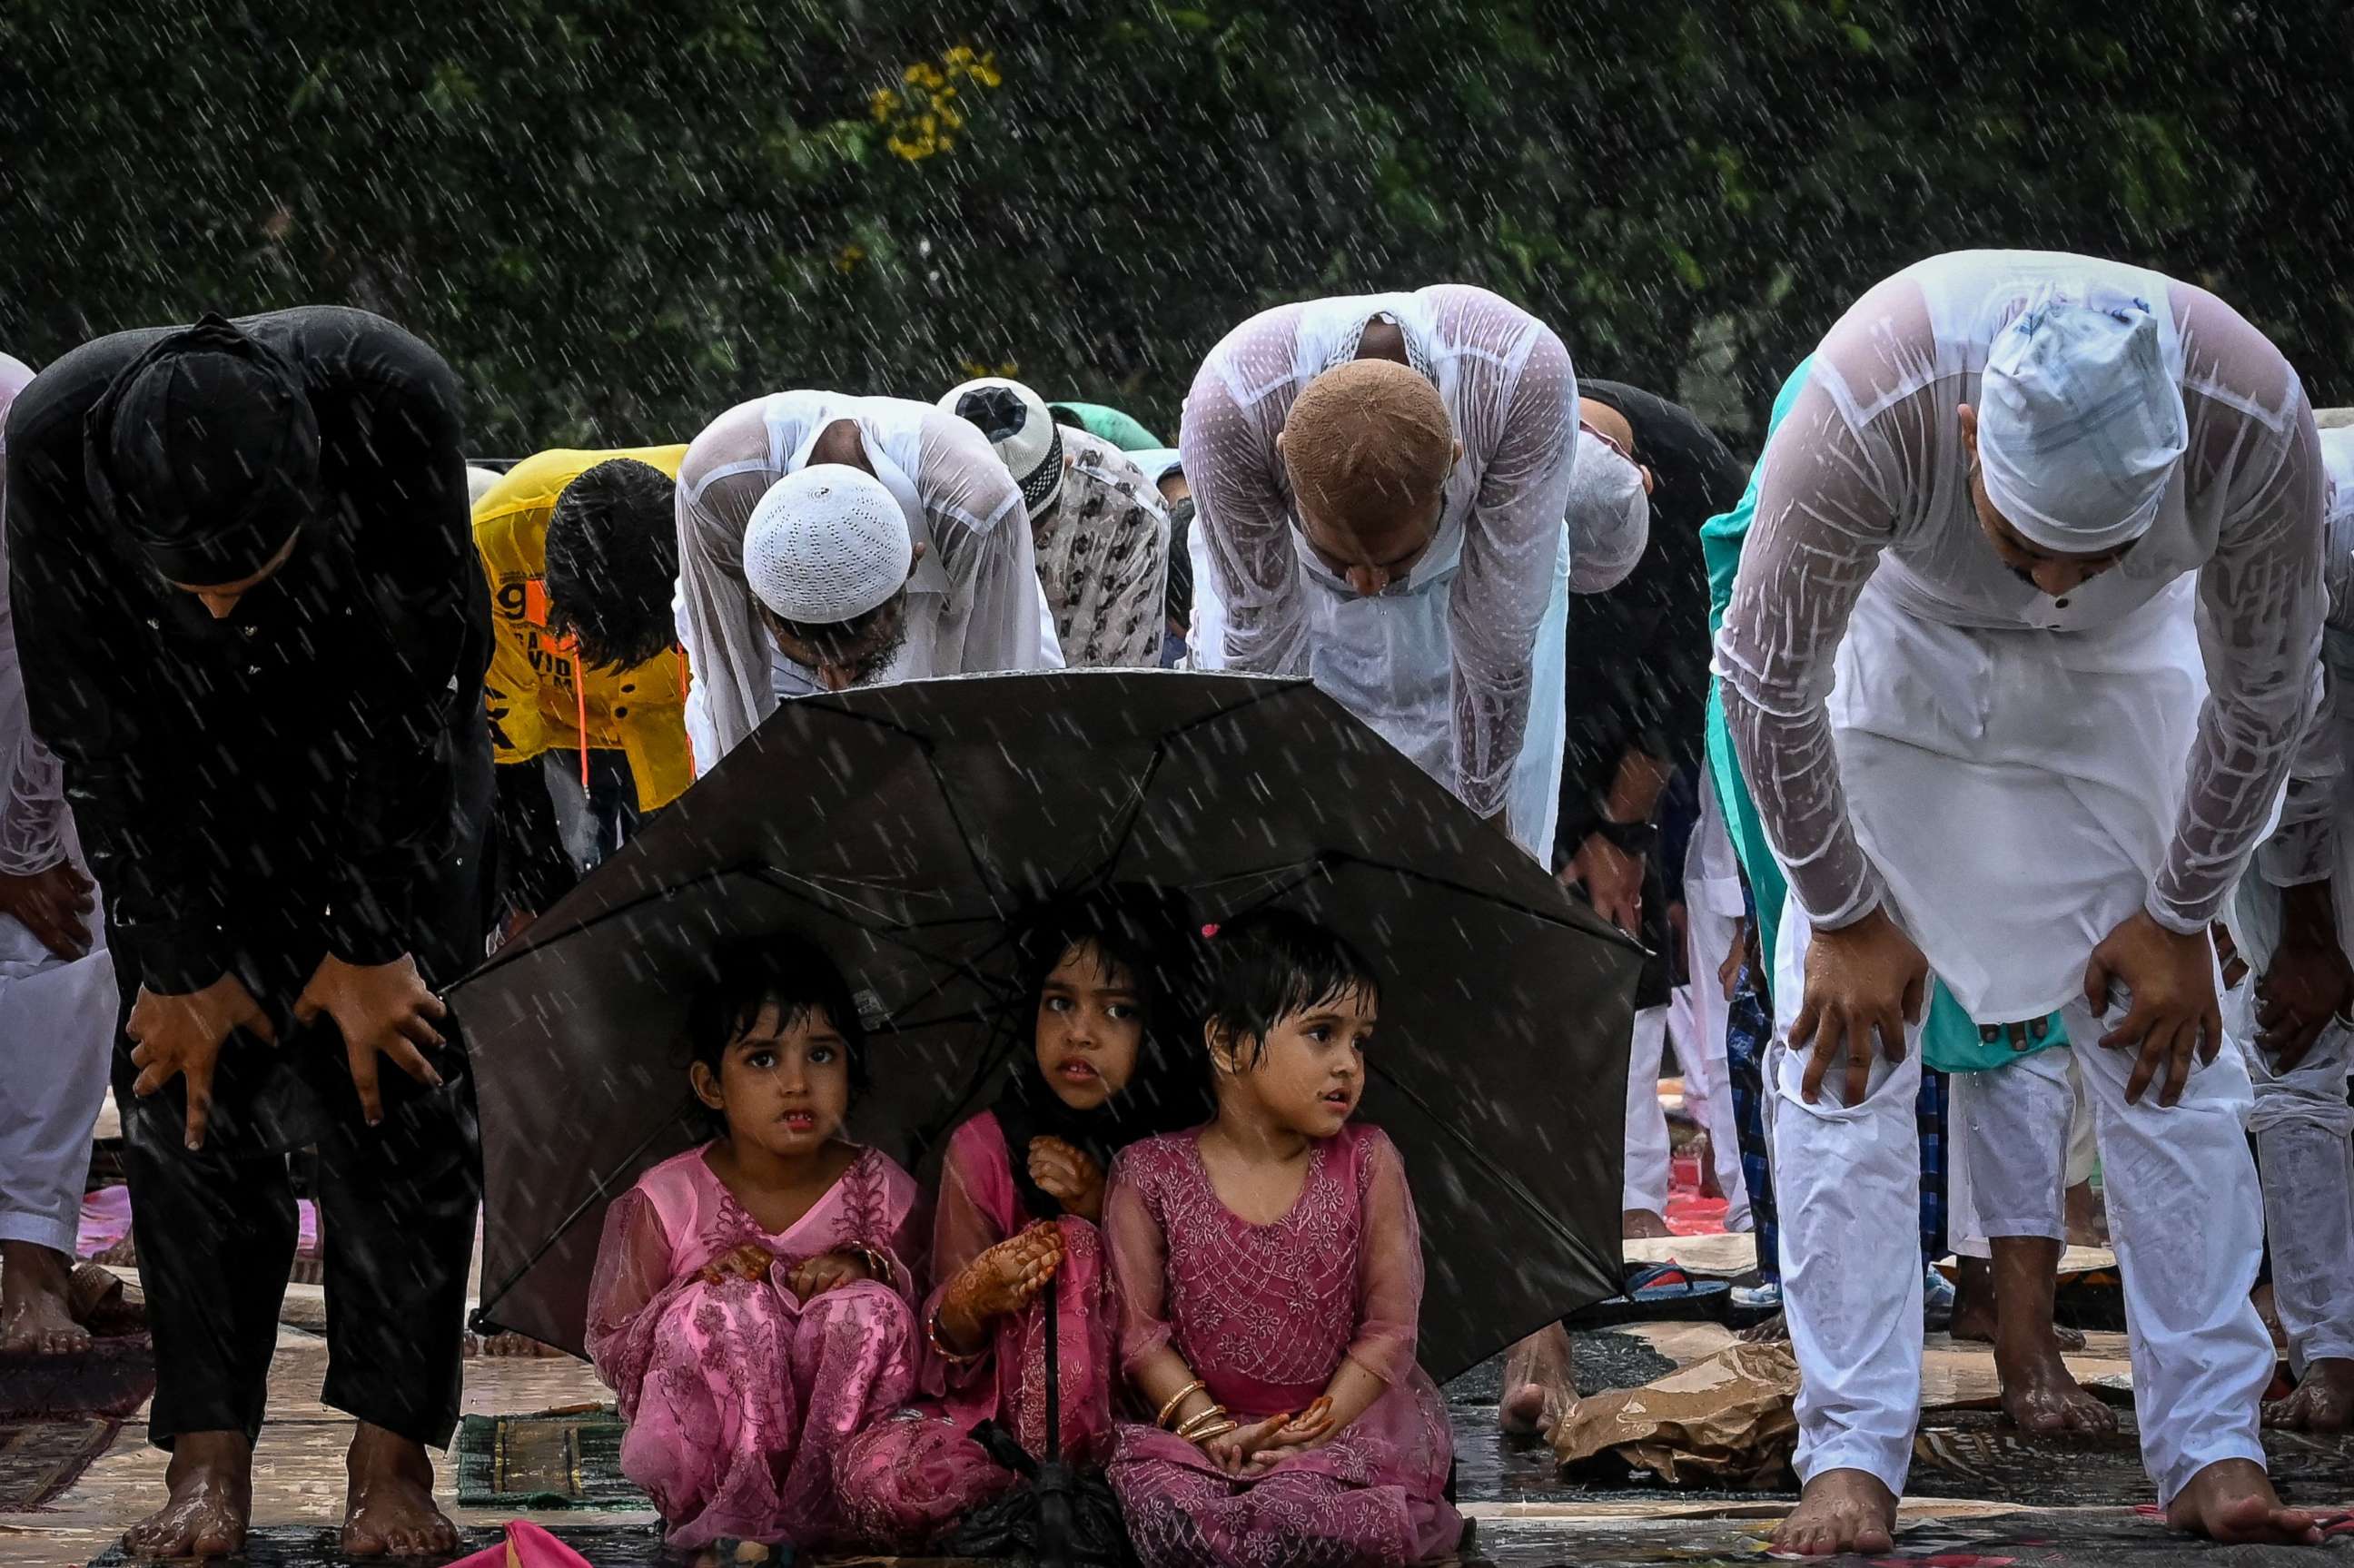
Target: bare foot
{"points": [[2231, 1501], [1539, 1383], [36, 1302], [1973, 1318], [2324, 1402], [2088, 1224], [1841, 1510], [211, 1482], [2040, 1393], [1645, 1224], [2269, 1311], [390, 1510]]}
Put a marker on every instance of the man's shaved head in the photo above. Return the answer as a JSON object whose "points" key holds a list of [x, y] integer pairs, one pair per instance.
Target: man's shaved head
{"points": [[1368, 447]]}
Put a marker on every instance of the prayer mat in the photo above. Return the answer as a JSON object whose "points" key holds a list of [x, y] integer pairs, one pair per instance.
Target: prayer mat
{"points": [[2109, 1538], [555, 1459], [39, 1459], [114, 1378], [304, 1546]]}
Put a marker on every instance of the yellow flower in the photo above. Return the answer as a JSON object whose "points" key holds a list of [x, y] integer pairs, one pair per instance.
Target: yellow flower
{"points": [[883, 104], [984, 72], [848, 257]]}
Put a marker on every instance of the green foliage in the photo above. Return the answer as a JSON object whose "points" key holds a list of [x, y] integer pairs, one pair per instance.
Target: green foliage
{"points": [[617, 218]]}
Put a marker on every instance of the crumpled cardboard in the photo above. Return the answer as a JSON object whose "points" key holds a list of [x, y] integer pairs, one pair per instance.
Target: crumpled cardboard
{"points": [[1724, 1421]]}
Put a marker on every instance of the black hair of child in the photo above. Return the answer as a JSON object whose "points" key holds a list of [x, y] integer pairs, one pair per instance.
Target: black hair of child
{"points": [[747, 976], [1272, 964]]}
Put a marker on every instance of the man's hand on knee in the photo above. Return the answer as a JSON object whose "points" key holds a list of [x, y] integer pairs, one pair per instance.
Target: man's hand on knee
{"points": [[1864, 977], [181, 1036], [2169, 980], [383, 1009]]}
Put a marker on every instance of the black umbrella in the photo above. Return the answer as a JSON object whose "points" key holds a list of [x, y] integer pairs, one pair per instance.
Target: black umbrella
{"points": [[902, 827]]}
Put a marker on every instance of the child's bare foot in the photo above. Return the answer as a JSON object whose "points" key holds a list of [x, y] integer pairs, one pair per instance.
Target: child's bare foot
{"points": [[211, 1483], [389, 1511], [2231, 1501], [2040, 1393], [2088, 1225], [1645, 1224], [1539, 1388], [2324, 1402], [36, 1302], [1841, 1510]]}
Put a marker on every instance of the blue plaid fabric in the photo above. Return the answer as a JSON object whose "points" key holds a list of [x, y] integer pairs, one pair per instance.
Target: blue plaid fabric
{"points": [[1749, 1029]]}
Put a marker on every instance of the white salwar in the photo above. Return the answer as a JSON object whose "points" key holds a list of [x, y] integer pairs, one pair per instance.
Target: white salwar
{"points": [[2011, 776], [974, 604], [1700, 1014], [56, 1015], [2303, 1124], [1460, 664], [1644, 1184]]}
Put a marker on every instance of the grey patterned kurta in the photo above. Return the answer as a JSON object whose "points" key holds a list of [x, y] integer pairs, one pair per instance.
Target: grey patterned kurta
{"points": [[1103, 558]]}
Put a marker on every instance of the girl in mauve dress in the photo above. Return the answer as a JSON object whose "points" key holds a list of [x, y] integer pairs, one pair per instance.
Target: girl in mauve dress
{"points": [[1269, 1273], [752, 1305], [1021, 1198]]}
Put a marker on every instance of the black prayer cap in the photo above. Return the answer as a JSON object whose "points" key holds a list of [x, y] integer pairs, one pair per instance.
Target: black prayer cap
{"points": [[204, 450]]}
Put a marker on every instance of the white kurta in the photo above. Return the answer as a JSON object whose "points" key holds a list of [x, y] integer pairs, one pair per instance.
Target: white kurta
{"points": [[1867, 480], [2303, 1125], [1460, 664], [974, 603], [56, 1015]]}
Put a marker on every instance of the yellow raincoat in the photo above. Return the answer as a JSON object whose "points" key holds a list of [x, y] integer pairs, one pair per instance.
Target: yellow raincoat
{"points": [[538, 699]]}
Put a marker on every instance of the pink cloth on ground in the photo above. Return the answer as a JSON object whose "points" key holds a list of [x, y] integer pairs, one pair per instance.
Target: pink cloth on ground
{"points": [[738, 1394], [1264, 1315], [905, 1482]]}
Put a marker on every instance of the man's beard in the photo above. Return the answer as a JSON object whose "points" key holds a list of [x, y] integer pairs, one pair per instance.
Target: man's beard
{"points": [[880, 657]]}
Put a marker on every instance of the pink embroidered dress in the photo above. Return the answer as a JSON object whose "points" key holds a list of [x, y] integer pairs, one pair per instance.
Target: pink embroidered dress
{"points": [[905, 1482], [739, 1396], [1264, 1315]]}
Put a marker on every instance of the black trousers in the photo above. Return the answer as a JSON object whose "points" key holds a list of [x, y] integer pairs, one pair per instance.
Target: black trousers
{"points": [[215, 1228]]}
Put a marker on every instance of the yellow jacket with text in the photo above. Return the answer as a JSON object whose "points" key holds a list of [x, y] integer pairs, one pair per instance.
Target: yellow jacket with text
{"points": [[539, 699]]}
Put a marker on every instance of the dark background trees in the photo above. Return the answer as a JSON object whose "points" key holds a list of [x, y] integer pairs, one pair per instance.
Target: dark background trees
{"points": [[617, 218]]}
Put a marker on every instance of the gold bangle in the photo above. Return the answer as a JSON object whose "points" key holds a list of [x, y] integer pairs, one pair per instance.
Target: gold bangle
{"points": [[1212, 1433], [1179, 1397], [954, 1358], [1197, 1429], [878, 1267]]}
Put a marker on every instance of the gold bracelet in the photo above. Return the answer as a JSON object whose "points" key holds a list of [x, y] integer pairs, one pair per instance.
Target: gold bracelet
{"points": [[1212, 1433], [1197, 1429], [954, 1358], [1179, 1397], [878, 1267]]}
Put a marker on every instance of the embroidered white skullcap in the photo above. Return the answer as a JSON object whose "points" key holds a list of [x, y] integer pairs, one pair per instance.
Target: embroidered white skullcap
{"points": [[826, 543], [1018, 424], [1607, 498], [2079, 424]]}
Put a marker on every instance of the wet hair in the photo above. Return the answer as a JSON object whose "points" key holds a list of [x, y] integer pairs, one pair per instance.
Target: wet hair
{"points": [[1135, 931], [1273, 964], [746, 978], [1369, 440], [613, 559], [1177, 590]]}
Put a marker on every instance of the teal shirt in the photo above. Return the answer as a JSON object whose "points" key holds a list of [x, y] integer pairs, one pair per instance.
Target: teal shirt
{"points": [[1118, 428], [1950, 1043]]}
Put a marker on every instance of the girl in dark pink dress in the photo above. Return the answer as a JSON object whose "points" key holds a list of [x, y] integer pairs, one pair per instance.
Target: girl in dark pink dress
{"points": [[1020, 1201], [1270, 1279]]}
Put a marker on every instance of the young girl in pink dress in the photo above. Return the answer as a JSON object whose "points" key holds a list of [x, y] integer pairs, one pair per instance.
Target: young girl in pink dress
{"points": [[1270, 1278], [1108, 1063], [752, 1305]]}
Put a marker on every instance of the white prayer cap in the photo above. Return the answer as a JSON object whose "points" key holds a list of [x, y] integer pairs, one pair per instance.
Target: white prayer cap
{"points": [[2079, 424], [825, 545], [1157, 462], [1607, 498], [1017, 423]]}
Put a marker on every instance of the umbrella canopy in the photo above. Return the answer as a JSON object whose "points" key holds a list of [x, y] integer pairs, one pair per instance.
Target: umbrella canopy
{"points": [[902, 827]]}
